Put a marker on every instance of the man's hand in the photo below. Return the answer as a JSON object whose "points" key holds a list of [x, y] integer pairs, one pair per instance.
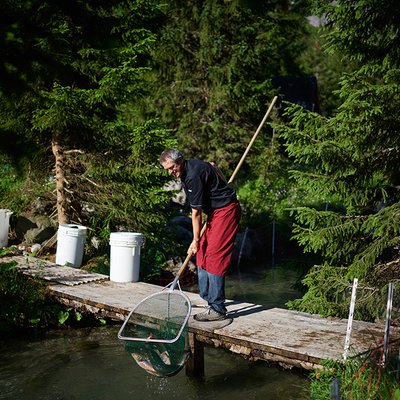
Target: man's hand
{"points": [[194, 247]]}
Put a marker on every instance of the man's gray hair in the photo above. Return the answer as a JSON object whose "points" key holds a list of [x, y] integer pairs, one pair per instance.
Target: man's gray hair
{"points": [[171, 154]]}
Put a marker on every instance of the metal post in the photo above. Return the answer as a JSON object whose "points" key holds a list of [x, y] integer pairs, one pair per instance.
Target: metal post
{"points": [[273, 243], [242, 246], [387, 325], [350, 320], [335, 390]]}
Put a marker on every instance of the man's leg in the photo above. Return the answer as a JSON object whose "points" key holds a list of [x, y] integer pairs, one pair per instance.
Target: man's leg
{"points": [[212, 289], [216, 292], [202, 280]]}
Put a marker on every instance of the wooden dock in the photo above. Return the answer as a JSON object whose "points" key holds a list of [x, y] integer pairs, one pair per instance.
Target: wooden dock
{"points": [[257, 332]]}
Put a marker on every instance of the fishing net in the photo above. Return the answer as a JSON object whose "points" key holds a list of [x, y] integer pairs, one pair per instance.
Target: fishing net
{"points": [[155, 332]]}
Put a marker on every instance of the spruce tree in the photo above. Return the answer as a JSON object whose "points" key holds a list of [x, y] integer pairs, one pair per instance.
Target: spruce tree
{"points": [[70, 71], [213, 71], [350, 165]]}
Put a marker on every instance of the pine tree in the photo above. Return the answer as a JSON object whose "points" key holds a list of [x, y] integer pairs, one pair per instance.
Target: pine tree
{"points": [[213, 70], [351, 161], [69, 72]]}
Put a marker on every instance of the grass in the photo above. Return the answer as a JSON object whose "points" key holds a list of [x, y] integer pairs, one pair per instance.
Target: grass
{"points": [[358, 379]]}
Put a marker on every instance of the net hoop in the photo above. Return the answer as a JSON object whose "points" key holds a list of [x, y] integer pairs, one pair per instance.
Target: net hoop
{"points": [[150, 340]]}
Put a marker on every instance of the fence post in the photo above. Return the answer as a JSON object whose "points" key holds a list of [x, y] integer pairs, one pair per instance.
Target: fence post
{"points": [[387, 324], [350, 320]]}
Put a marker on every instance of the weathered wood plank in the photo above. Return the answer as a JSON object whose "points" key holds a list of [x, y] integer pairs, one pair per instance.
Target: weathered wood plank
{"points": [[257, 332], [51, 272]]}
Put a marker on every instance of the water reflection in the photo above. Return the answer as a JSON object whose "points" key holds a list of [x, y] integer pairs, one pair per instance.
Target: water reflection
{"points": [[265, 285], [92, 363]]}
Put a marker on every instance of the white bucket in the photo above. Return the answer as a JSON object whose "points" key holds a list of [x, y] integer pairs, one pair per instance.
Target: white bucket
{"points": [[4, 226], [125, 256], [71, 239]]}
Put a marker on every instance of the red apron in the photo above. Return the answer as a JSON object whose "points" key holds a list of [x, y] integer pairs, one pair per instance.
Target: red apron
{"points": [[216, 245]]}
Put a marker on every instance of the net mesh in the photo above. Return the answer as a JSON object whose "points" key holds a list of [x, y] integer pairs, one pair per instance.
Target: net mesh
{"points": [[156, 333]]}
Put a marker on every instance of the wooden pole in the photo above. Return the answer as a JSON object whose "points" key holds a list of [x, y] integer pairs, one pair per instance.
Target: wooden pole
{"points": [[350, 320], [195, 364], [253, 139]]}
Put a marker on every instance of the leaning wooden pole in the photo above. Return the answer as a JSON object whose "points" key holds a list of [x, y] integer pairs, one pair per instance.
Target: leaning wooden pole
{"points": [[190, 255], [253, 139], [196, 365]]}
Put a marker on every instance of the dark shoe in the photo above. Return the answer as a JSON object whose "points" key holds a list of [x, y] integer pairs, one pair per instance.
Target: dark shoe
{"points": [[209, 315]]}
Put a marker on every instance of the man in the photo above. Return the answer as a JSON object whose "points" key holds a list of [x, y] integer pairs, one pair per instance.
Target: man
{"points": [[209, 193]]}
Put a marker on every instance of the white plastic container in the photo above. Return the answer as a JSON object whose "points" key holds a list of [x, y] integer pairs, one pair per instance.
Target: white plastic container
{"points": [[71, 240], [4, 226], [125, 256]]}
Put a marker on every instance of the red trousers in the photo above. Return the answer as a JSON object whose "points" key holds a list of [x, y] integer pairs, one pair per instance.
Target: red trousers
{"points": [[216, 245]]}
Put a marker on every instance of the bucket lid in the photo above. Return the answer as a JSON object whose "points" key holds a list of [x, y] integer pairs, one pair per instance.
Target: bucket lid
{"points": [[6, 212], [73, 229], [126, 239]]}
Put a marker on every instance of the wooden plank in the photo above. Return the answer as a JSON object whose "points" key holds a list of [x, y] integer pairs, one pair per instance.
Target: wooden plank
{"points": [[293, 335], [257, 332], [51, 272]]}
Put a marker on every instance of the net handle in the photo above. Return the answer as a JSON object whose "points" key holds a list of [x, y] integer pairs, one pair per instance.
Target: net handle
{"points": [[190, 255], [271, 106], [186, 262]]}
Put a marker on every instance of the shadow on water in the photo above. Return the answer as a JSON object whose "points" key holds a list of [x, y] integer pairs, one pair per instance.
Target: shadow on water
{"points": [[92, 364]]}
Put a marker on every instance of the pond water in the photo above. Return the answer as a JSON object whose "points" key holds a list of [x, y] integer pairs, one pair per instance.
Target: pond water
{"points": [[265, 285], [92, 363]]}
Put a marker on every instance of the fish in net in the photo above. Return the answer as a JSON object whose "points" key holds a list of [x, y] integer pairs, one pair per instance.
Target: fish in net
{"points": [[156, 332]]}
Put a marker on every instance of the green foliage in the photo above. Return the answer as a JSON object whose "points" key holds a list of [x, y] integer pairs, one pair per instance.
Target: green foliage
{"points": [[213, 66], [23, 301], [365, 31], [100, 265], [71, 81], [77, 85], [326, 292], [19, 189], [328, 68], [358, 380], [63, 316], [72, 316], [351, 160], [26, 304], [128, 190], [329, 293], [9, 182], [267, 191]]}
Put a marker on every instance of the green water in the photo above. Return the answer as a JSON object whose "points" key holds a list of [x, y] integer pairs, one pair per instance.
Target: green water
{"points": [[92, 363], [265, 285]]}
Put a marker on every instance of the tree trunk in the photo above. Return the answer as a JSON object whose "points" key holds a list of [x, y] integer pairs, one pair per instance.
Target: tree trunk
{"points": [[58, 151]]}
